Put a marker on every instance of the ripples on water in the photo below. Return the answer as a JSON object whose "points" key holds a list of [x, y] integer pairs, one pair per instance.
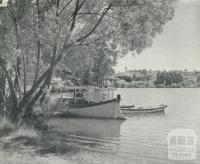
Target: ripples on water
{"points": [[140, 137]]}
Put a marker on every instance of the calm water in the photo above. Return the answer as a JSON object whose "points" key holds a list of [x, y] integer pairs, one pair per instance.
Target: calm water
{"points": [[142, 136]]}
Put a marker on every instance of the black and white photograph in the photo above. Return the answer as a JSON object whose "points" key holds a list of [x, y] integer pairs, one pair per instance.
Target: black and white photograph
{"points": [[99, 82]]}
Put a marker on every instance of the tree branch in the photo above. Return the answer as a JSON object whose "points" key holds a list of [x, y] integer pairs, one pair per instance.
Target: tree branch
{"points": [[97, 24], [91, 42], [10, 83], [64, 7], [74, 15], [38, 44]]}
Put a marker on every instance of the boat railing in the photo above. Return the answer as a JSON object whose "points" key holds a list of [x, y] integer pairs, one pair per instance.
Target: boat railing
{"points": [[151, 107]]}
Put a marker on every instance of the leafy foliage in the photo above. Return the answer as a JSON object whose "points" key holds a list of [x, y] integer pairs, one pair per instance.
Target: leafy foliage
{"points": [[168, 78], [159, 79], [85, 36]]}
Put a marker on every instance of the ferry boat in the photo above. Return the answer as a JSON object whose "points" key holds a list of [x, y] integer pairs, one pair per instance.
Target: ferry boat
{"points": [[92, 102]]}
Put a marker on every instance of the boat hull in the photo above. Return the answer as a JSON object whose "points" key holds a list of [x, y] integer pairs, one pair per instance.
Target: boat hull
{"points": [[143, 111], [110, 109]]}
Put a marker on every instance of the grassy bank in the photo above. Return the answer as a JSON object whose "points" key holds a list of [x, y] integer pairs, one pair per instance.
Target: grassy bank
{"points": [[28, 146], [14, 158], [80, 158]]}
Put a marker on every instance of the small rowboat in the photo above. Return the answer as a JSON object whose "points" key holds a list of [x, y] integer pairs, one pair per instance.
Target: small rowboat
{"points": [[141, 110], [125, 107]]}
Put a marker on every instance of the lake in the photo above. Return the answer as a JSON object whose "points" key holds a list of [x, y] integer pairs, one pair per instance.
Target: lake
{"points": [[140, 137]]}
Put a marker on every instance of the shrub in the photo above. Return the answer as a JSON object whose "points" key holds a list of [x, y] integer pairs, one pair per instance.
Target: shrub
{"points": [[122, 84], [6, 124], [25, 132]]}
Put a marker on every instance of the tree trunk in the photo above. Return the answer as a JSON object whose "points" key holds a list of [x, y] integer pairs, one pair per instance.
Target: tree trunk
{"points": [[2, 92]]}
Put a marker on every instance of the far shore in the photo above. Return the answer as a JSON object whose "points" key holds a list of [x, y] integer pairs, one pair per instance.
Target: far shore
{"points": [[159, 87]]}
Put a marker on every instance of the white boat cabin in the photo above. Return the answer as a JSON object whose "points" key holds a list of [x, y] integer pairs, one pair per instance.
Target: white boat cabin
{"points": [[91, 93], [98, 94], [86, 93]]}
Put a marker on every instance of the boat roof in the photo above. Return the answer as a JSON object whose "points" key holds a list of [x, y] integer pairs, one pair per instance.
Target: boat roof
{"points": [[91, 88]]}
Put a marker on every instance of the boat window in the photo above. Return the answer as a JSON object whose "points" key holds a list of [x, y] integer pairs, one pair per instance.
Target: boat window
{"points": [[79, 95], [104, 96]]}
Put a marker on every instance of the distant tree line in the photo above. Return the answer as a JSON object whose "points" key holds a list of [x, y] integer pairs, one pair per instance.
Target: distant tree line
{"points": [[168, 79], [158, 79]]}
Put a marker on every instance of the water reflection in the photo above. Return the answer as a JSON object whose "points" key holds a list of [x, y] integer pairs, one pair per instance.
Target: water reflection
{"points": [[140, 136], [142, 115], [95, 134]]}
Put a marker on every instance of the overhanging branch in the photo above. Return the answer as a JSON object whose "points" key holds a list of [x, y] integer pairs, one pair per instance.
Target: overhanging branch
{"points": [[97, 24]]}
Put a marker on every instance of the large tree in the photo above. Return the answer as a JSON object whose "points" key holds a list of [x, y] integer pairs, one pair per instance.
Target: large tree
{"points": [[90, 64], [41, 33]]}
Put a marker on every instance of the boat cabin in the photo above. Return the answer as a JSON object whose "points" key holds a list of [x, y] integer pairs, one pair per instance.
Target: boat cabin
{"points": [[93, 94], [89, 94], [98, 94]]}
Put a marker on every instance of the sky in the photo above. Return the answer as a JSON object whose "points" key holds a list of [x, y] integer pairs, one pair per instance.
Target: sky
{"points": [[177, 48]]}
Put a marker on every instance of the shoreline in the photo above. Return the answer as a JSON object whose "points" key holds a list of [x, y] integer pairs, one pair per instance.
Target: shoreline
{"points": [[29, 146], [82, 157], [159, 87]]}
